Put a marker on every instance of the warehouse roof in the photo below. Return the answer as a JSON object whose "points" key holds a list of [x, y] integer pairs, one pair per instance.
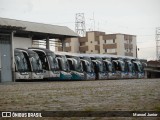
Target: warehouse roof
{"points": [[37, 27]]}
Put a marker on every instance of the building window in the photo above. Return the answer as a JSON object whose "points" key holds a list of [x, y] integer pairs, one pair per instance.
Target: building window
{"points": [[110, 50], [130, 41], [91, 41], [106, 50], [91, 50], [109, 41], [67, 44], [82, 43]]}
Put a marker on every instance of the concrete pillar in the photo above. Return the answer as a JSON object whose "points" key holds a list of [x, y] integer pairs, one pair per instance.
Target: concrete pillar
{"points": [[12, 56], [63, 44], [47, 43]]}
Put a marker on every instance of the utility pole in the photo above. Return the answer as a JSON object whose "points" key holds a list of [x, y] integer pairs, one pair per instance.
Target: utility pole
{"points": [[158, 43], [80, 27]]}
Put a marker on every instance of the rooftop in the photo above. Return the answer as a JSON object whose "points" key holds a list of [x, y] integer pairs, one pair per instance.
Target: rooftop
{"points": [[37, 29]]}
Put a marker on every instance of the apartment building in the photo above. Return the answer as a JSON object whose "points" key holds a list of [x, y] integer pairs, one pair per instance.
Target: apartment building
{"points": [[101, 43]]}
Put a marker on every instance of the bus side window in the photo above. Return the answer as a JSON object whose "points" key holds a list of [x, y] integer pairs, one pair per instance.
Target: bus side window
{"points": [[84, 66], [70, 65], [59, 64]]}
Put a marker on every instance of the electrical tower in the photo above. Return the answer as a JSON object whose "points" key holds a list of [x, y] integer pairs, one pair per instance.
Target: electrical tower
{"points": [[80, 24], [158, 43]]}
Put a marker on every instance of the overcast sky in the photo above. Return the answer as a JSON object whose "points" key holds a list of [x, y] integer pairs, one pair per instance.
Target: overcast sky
{"points": [[136, 17]]}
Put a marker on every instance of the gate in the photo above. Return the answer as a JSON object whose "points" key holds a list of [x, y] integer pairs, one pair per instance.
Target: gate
{"points": [[5, 58]]}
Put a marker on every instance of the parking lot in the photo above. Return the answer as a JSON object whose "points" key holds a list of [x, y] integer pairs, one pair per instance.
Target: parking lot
{"points": [[101, 95]]}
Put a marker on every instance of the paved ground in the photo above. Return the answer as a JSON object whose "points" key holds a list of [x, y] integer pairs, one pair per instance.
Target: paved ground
{"points": [[102, 95]]}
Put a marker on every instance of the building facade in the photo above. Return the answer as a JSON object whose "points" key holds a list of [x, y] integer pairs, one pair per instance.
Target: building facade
{"points": [[101, 43]]}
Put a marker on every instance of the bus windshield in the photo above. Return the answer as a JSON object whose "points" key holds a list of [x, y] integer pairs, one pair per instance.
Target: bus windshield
{"points": [[89, 64], [21, 62], [65, 65], [122, 65], [102, 66], [36, 63], [129, 66], [108, 66], [77, 64], [140, 67], [53, 62]]}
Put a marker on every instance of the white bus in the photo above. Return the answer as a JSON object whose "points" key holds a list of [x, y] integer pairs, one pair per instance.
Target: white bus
{"points": [[34, 64], [65, 73], [21, 67], [49, 63]]}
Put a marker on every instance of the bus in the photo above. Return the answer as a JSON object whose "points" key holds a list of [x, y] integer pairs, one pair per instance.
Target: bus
{"points": [[65, 73], [21, 67], [109, 67], [119, 66], [49, 63], [129, 68], [33, 63], [76, 66], [99, 67], [138, 68], [88, 67]]}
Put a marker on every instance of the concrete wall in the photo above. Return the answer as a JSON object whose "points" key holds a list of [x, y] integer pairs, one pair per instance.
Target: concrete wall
{"points": [[75, 45], [19, 42], [120, 44], [91, 43], [102, 42], [134, 45]]}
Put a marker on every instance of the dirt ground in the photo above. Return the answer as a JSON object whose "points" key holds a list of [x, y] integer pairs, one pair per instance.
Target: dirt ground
{"points": [[101, 95]]}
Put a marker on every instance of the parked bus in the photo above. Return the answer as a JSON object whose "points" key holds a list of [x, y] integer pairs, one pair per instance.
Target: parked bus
{"points": [[75, 65], [129, 68], [99, 67], [49, 63], [110, 68], [119, 66], [34, 64], [138, 68], [88, 67], [65, 73], [21, 67]]}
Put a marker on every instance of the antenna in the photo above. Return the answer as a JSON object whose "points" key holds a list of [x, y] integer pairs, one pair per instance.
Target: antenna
{"points": [[158, 43], [93, 24], [80, 24]]}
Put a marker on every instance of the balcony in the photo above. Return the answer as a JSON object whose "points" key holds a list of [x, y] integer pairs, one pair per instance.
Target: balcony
{"points": [[110, 36], [83, 48], [109, 46], [67, 49], [60, 48], [97, 47], [83, 39], [113, 53], [128, 37], [128, 54], [128, 46]]}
